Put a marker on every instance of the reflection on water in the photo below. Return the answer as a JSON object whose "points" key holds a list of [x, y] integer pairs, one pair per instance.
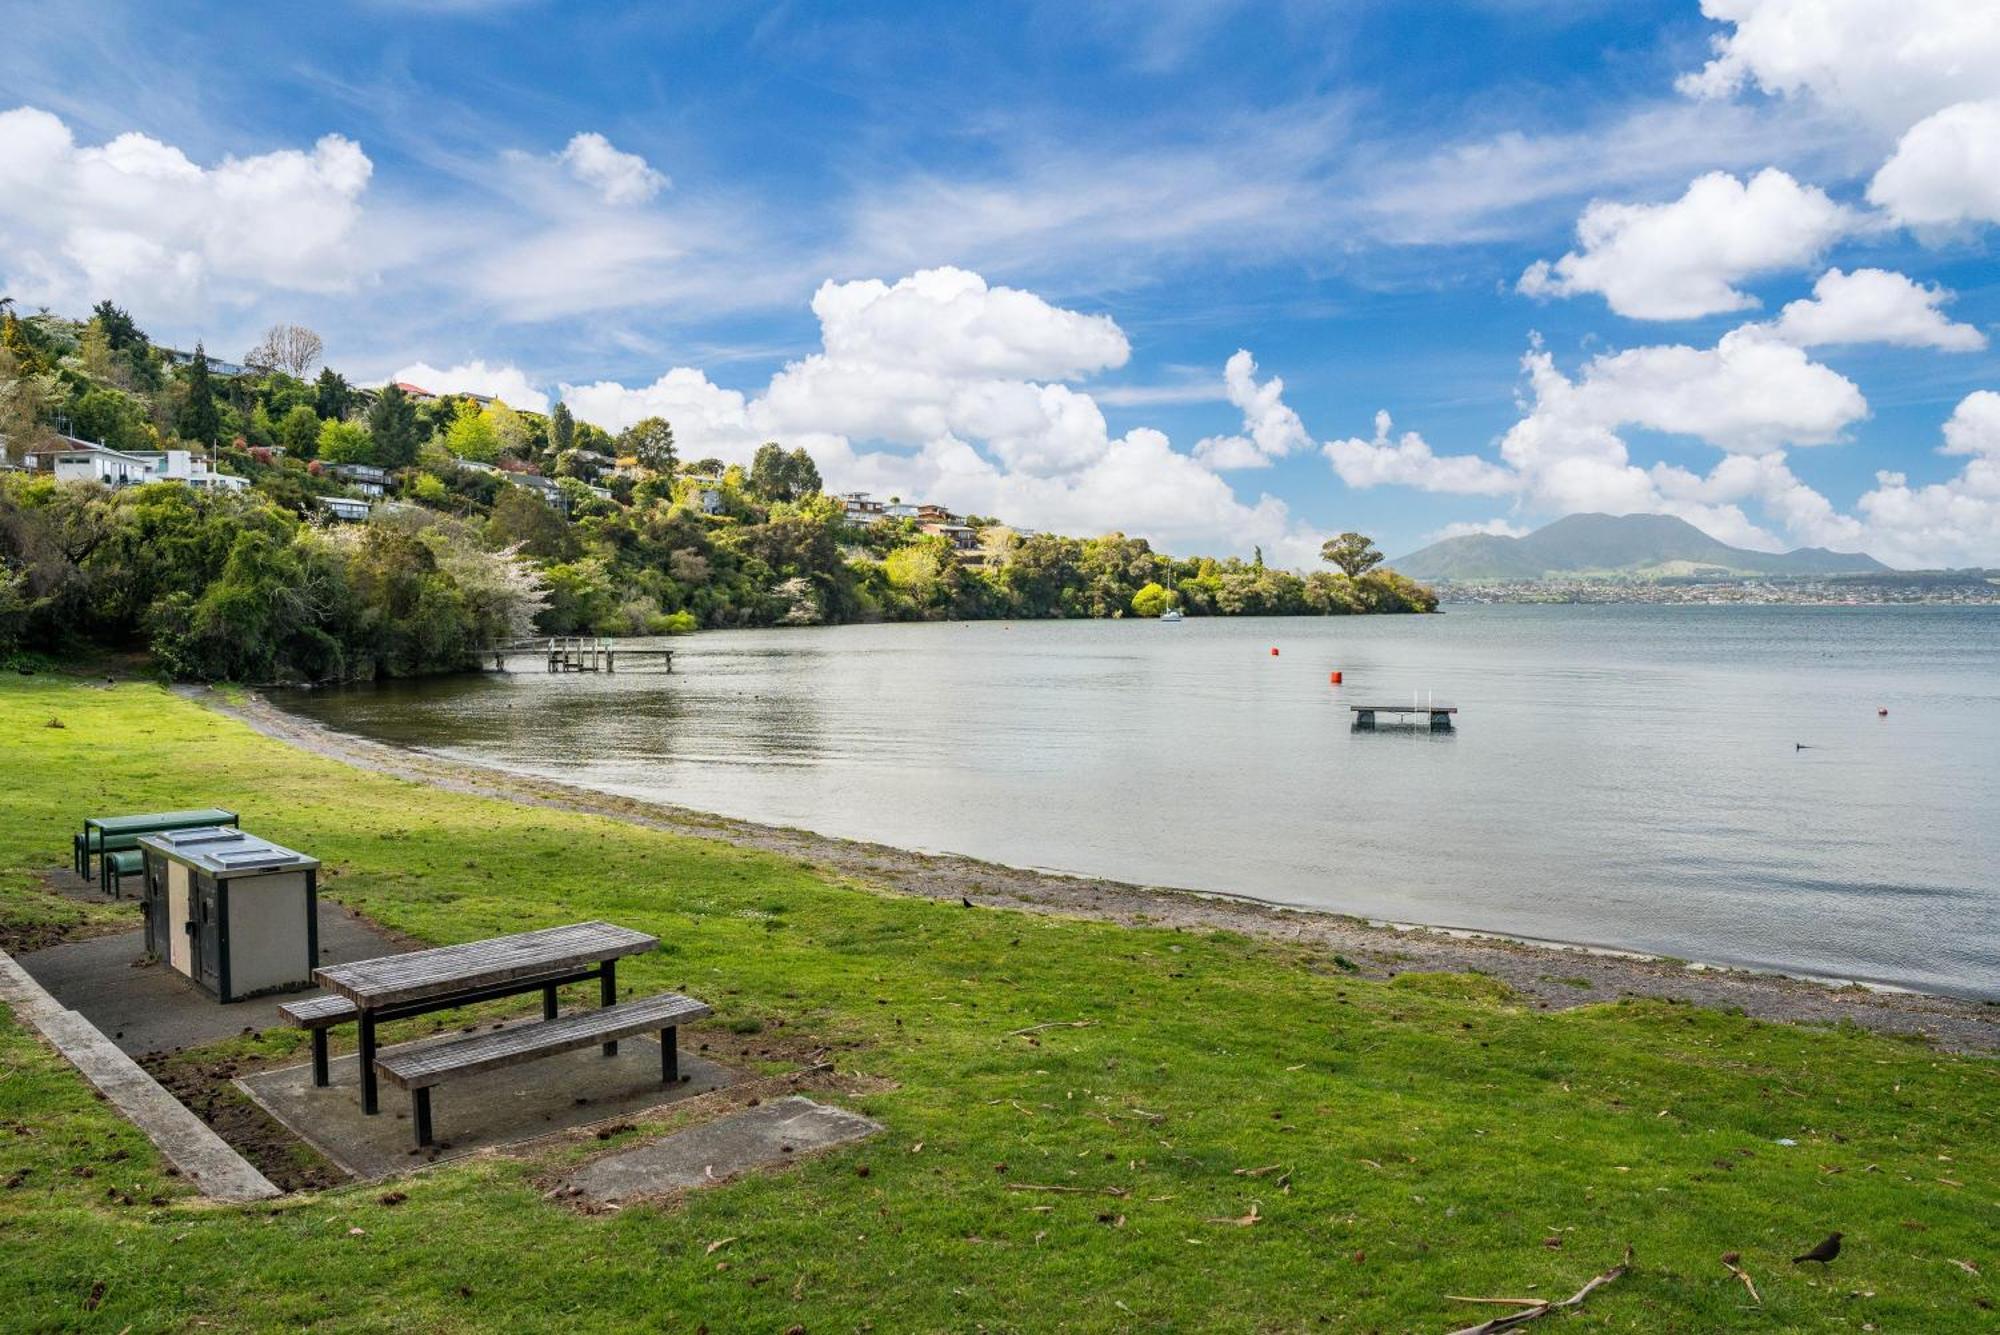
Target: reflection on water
{"points": [[1624, 776]]}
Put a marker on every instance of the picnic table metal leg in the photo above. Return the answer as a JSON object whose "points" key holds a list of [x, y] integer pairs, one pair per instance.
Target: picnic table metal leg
{"points": [[320, 1080], [549, 1002], [670, 1056], [368, 1103], [607, 995], [420, 1113]]}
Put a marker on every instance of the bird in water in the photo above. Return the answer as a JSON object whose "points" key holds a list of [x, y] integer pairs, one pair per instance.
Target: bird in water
{"points": [[1803, 746], [1824, 1253]]}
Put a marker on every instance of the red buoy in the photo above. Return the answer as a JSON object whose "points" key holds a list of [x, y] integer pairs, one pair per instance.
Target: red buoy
{"points": [[1333, 677], [1274, 651]]}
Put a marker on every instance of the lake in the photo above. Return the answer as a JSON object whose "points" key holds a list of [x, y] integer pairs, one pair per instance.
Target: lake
{"points": [[1621, 776]]}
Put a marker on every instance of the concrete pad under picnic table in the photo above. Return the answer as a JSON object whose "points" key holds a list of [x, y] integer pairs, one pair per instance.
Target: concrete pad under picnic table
{"points": [[494, 1108], [145, 1007], [770, 1134]]}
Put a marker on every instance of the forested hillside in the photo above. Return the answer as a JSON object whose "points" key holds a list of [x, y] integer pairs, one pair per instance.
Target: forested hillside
{"points": [[493, 524]]}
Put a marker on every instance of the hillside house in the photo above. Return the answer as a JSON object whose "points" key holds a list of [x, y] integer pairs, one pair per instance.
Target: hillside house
{"points": [[364, 478], [860, 508], [346, 509]]}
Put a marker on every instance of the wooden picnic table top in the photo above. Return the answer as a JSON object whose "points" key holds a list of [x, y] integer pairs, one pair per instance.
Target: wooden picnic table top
{"points": [[147, 822], [425, 974]]}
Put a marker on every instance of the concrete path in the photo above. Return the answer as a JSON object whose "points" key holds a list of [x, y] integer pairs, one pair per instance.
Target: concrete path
{"points": [[202, 1156], [147, 1007], [501, 1107], [701, 1156]]}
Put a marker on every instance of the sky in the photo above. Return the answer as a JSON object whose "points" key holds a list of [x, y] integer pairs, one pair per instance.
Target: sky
{"points": [[1227, 275]]}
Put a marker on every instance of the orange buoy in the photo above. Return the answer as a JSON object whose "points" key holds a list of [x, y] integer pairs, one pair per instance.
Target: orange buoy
{"points": [[1274, 651], [1333, 677]]}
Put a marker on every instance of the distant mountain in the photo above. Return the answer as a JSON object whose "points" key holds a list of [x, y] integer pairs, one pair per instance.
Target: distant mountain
{"points": [[1632, 546]]}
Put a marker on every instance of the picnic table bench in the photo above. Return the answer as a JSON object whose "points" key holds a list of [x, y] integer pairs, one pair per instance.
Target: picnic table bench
{"points": [[114, 840], [424, 981]]}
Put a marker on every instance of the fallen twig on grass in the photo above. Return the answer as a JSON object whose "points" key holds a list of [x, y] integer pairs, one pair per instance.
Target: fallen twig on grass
{"points": [[1541, 1308], [1730, 1259], [1070, 1191], [1051, 1024]]}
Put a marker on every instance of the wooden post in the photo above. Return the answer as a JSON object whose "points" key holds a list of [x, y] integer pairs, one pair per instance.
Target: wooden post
{"points": [[607, 995]]}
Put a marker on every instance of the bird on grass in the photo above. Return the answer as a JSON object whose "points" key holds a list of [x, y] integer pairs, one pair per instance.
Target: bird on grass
{"points": [[1824, 1253], [963, 900]]}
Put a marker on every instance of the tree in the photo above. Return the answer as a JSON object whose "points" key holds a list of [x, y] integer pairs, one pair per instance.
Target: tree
{"points": [[346, 443], [522, 519], [393, 423], [110, 417], [776, 475], [1354, 553], [1152, 600], [332, 395], [291, 348], [652, 442], [298, 432], [200, 420], [471, 436], [562, 429], [119, 330]]}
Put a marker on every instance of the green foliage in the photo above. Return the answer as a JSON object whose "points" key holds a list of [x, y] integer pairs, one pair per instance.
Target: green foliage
{"points": [[562, 429], [471, 435], [523, 519], [299, 432], [200, 419], [1152, 600], [651, 441], [346, 443], [112, 417], [231, 587], [333, 397], [1354, 553], [780, 475], [392, 421]]}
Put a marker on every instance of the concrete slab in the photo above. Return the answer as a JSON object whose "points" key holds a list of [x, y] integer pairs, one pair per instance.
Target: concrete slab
{"points": [[202, 1156], [701, 1156], [501, 1107], [146, 1007]]}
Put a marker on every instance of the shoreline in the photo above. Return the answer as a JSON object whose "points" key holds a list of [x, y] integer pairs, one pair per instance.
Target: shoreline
{"points": [[1550, 975]]}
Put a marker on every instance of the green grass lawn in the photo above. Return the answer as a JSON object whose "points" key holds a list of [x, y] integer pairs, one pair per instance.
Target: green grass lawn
{"points": [[1422, 1137]]}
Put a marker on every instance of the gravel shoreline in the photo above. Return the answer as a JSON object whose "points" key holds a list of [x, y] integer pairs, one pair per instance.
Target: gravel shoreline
{"points": [[1553, 977]]}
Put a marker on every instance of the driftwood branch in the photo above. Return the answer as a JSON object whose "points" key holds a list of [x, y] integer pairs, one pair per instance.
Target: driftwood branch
{"points": [[1541, 1309]]}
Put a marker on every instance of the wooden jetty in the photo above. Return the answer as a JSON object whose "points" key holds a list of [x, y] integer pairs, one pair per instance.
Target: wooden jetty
{"points": [[1440, 715], [584, 653]]}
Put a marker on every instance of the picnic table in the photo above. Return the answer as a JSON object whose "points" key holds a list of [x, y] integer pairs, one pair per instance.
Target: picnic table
{"points": [[121, 833], [396, 986]]}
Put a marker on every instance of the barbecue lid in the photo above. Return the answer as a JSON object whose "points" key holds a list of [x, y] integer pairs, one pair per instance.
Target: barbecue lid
{"points": [[223, 850]]}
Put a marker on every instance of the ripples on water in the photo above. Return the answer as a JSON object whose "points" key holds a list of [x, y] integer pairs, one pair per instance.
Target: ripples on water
{"points": [[1621, 776]]}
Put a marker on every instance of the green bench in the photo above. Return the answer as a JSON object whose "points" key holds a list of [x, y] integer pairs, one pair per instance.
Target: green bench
{"points": [[114, 840]]}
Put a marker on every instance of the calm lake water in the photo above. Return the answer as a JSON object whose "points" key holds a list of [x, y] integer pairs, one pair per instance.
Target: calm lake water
{"points": [[1620, 776]]}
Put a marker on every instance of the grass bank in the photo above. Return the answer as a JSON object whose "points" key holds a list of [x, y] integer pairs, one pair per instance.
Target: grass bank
{"points": [[1396, 1141]]}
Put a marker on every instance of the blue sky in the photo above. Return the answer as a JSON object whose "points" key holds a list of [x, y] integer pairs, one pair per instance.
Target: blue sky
{"points": [[1352, 193]]}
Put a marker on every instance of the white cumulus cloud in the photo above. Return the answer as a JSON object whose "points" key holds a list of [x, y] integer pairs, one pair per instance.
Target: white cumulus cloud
{"points": [[509, 384], [1682, 259], [1945, 170], [1271, 430], [617, 177], [137, 218], [1890, 62], [1874, 306], [1409, 462], [942, 387]]}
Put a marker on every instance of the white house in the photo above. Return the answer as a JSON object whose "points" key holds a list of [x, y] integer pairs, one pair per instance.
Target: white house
{"points": [[81, 461], [345, 508], [189, 467]]}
